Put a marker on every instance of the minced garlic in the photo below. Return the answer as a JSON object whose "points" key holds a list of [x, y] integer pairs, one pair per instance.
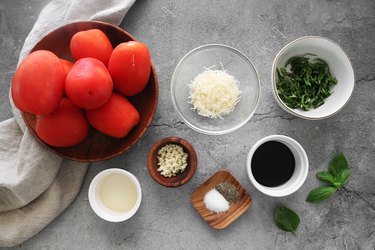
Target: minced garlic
{"points": [[171, 160]]}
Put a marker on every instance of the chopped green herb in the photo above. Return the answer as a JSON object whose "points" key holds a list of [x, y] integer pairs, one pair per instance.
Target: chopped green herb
{"points": [[307, 84]]}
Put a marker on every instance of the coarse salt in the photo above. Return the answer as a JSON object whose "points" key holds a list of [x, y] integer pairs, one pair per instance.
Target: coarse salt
{"points": [[215, 201]]}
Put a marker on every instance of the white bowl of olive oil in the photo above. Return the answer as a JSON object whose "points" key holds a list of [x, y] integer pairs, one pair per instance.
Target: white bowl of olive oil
{"points": [[115, 195]]}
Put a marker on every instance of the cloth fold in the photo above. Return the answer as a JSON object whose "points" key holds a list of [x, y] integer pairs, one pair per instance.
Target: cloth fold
{"points": [[35, 184]]}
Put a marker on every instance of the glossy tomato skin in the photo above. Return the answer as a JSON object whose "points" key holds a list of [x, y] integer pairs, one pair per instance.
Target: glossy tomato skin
{"points": [[115, 118], [38, 83], [91, 43], [66, 126], [67, 65], [130, 67], [88, 83]]}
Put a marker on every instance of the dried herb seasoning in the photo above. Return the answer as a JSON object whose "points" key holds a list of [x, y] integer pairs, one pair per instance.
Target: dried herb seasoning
{"points": [[229, 191]]}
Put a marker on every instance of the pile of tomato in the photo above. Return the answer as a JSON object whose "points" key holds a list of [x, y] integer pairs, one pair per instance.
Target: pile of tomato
{"points": [[68, 97]]}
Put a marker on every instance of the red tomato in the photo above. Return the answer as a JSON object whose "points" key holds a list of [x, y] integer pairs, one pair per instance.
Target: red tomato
{"points": [[64, 127], [130, 67], [67, 65], [38, 84], [115, 118], [88, 83], [91, 43]]}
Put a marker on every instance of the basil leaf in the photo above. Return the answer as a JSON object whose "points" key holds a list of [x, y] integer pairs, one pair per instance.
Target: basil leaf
{"points": [[286, 219], [329, 178], [344, 177], [326, 176], [321, 193], [338, 165]]}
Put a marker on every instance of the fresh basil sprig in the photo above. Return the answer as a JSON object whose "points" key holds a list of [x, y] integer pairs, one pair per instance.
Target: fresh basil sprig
{"points": [[327, 177], [286, 219], [337, 176]]}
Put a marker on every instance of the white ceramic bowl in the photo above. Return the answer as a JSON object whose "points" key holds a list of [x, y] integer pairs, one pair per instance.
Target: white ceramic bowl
{"points": [[97, 205], [339, 65], [300, 171], [237, 65]]}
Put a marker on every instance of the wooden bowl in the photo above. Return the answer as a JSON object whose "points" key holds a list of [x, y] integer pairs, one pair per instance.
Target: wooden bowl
{"points": [[220, 220], [181, 178], [97, 146]]}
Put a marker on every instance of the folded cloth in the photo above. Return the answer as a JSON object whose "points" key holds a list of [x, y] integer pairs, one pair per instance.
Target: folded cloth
{"points": [[35, 184]]}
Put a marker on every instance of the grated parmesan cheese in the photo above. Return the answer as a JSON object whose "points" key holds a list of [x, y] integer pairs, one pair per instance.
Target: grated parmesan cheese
{"points": [[214, 93], [171, 160]]}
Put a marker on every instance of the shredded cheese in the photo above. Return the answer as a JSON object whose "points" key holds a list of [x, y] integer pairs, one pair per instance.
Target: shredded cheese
{"points": [[171, 160], [214, 93]]}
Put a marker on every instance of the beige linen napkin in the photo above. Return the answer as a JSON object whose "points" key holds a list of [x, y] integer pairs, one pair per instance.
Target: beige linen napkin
{"points": [[35, 184]]}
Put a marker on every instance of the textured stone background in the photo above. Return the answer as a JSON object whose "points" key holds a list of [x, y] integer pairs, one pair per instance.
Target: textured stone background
{"points": [[258, 28]]}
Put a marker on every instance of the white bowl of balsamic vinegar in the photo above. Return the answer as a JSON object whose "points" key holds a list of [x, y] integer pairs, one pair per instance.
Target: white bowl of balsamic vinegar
{"points": [[277, 165]]}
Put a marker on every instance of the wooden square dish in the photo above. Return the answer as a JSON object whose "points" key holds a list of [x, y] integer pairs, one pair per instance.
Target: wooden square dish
{"points": [[220, 220]]}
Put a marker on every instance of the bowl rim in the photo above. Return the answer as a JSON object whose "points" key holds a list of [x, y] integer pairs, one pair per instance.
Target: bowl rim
{"points": [[273, 79], [191, 153], [174, 102], [279, 191], [153, 71]]}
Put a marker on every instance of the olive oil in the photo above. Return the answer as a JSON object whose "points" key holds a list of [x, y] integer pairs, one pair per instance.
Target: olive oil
{"points": [[117, 192], [272, 164]]}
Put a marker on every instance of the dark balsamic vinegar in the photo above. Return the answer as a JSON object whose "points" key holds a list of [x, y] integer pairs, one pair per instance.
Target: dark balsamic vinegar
{"points": [[272, 164]]}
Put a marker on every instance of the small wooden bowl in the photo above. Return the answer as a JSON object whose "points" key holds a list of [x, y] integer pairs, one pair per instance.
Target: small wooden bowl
{"points": [[181, 178], [97, 146], [220, 220]]}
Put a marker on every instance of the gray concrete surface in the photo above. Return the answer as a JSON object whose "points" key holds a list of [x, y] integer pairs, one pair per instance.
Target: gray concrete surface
{"points": [[258, 28]]}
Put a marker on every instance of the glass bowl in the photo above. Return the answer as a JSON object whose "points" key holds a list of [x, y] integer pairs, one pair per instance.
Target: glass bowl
{"points": [[215, 56]]}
